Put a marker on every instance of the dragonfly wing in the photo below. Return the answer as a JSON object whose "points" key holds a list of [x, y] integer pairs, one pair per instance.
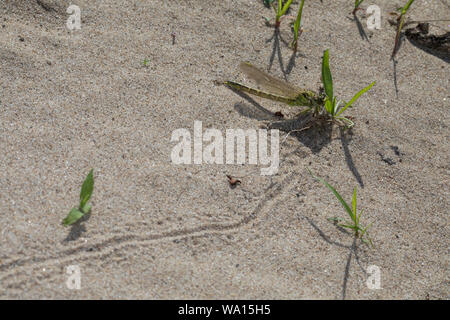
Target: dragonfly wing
{"points": [[269, 83]]}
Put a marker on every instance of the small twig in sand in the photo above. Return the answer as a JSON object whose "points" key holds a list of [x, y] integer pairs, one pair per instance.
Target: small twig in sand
{"points": [[297, 130]]}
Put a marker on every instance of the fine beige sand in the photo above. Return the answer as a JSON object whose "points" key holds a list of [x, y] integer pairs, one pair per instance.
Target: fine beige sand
{"points": [[75, 100]]}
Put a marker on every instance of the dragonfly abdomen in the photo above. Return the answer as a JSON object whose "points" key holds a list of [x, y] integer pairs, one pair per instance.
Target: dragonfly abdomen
{"points": [[259, 93]]}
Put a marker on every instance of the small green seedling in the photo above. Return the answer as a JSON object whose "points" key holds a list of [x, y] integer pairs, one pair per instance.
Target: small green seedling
{"points": [[334, 108], [86, 192], [401, 21], [354, 225], [280, 10], [357, 4], [145, 62], [297, 29]]}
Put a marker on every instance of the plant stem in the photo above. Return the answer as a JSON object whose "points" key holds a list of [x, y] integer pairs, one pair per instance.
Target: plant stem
{"points": [[400, 26], [297, 26]]}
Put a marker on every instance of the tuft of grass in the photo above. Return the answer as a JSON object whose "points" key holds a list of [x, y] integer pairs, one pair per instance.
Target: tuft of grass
{"points": [[358, 229], [297, 27], [145, 62], [84, 207], [332, 108], [357, 4], [400, 21]]}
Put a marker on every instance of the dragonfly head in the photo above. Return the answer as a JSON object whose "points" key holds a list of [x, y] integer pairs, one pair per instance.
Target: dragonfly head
{"points": [[314, 100], [309, 99]]}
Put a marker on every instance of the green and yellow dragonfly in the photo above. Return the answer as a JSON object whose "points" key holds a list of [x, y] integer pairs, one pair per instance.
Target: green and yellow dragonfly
{"points": [[277, 90]]}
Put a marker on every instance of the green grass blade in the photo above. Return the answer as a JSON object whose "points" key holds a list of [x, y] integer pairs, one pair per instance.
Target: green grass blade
{"points": [[356, 98], [87, 188], [406, 7], [87, 207], [337, 195], [278, 10], [297, 23], [397, 36], [334, 107], [327, 79], [363, 231], [359, 216], [358, 3], [73, 216], [349, 226], [354, 205], [298, 20], [400, 26], [329, 106], [285, 7]]}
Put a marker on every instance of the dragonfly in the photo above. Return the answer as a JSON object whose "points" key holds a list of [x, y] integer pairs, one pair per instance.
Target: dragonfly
{"points": [[276, 89]]}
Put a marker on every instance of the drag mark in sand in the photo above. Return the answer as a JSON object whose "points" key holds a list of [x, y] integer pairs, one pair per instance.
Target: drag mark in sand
{"points": [[9, 270]]}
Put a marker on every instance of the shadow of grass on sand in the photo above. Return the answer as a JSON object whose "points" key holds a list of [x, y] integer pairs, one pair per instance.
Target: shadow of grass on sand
{"points": [[78, 228], [276, 51], [360, 27], [353, 251]]}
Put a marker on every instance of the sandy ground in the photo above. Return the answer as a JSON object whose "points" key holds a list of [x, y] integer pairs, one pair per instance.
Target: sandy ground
{"points": [[75, 100]]}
